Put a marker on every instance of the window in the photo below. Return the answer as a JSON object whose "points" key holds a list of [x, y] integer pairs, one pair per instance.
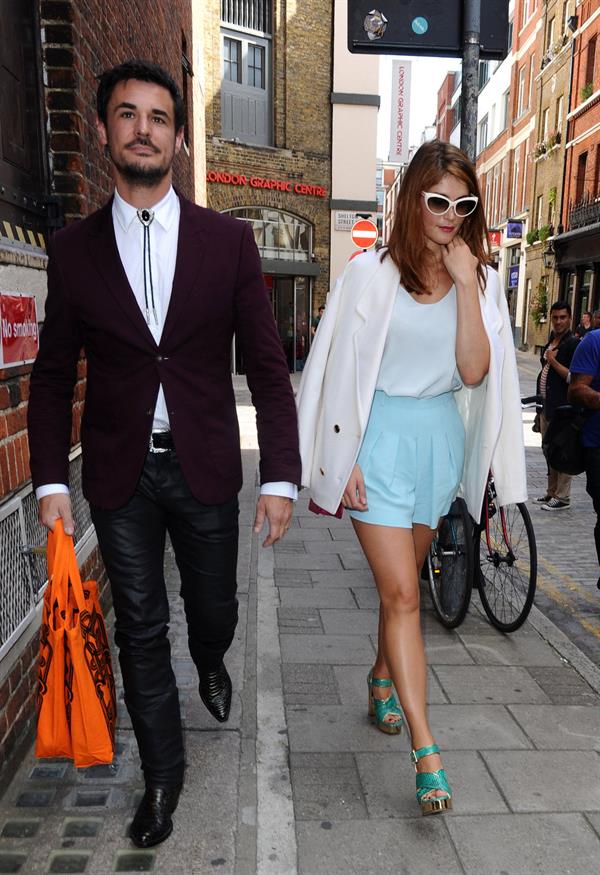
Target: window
{"points": [[256, 66], [565, 26], [505, 109], [232, 60], [186, 73], [590, 61], [484, 73], [526, 12], [246, 89], [539, 211], [521, 92], [482, 134], [525, 166], [515, 183], [559, 112], [550, 34], [531, 80], [580, 178], [510, 34], [278, 235], [545, 123]]}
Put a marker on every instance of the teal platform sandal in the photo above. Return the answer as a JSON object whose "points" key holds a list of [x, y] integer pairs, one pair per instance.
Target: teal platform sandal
{"points": [[428, 781], [380, 708]]}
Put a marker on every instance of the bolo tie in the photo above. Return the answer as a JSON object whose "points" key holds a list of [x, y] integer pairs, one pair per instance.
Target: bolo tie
{"points": [[146, 217]]}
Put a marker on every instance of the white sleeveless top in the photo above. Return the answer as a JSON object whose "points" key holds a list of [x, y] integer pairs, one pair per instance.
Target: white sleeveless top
{"points": [[419, 358]]}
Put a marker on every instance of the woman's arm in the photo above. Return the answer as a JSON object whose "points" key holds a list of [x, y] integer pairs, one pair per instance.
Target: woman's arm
{"points": [[472, 346]]}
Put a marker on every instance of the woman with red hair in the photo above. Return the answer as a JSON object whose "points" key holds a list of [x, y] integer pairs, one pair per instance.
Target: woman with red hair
{"points": [[409, 395]]}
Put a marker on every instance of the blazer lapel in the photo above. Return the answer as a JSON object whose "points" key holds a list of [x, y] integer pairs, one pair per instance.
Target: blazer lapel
{"points": [[191, 244], [105, 256]]}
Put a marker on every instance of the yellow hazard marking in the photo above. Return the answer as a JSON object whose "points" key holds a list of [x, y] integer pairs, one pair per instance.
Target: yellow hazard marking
{"points": [[572, 585], [42, 242], [553, 593], [8, 230], [32, 239], [20, 234]]}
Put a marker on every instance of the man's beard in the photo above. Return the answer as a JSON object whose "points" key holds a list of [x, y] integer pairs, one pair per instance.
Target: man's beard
{"points": [[141, 175]]}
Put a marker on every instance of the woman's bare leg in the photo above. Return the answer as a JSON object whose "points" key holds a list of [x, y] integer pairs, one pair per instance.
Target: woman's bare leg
{"points": [[395, 556]]}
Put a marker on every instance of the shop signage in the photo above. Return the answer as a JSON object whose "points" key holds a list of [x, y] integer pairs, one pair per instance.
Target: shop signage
{"points": [[19, 330], [364, 234], [495, 238], [513, 276], [344, 220], [399, 142], [301, 188], [514, 230]]}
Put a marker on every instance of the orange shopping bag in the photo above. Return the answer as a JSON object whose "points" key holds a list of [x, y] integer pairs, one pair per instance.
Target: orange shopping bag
{"points": [[89, 688]]}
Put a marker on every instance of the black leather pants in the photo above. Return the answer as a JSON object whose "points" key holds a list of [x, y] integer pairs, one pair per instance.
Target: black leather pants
{"points": [[132, 542]]}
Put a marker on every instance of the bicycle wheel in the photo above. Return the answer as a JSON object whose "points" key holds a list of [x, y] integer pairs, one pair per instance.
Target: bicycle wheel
{"points": [[507, 564], [450, 566]]}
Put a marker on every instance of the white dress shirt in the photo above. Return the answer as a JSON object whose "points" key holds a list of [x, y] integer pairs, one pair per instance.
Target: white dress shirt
{"points": [[164, 233]]}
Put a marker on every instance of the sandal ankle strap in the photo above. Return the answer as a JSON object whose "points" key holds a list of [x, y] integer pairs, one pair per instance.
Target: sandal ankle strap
{"points": [[421, 752], [380, 682]]}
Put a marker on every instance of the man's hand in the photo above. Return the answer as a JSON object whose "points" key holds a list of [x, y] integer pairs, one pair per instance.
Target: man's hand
{"points": [[53, 506], [278, 511]]}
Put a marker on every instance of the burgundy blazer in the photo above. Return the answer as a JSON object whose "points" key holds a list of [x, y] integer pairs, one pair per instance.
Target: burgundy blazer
{"points": [[218, 290]]}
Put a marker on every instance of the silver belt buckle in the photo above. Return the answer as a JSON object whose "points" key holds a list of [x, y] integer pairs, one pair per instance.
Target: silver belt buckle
{"points": [[154, 449]]}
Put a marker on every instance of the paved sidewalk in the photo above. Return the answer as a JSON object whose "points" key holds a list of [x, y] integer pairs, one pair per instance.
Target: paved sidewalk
{"points": [[299, 781]]}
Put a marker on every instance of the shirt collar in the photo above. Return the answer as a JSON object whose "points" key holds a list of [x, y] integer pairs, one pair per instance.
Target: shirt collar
{"points": [[165, 211]]}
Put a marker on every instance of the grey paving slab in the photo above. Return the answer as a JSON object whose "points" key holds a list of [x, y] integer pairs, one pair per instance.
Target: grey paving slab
{"points": [[538, 780], [327, 787], [367, 597], [342, 578], [515, 649], [560, 727], [304, 534], [563, 685], [411, 847], [337, 729], [285, 578], [344, 548], [468, 684], [533, 844], [354, 560], [309, 684], [478, 727], [334, 649], [299, 620], [316, 596], [339, 622], [594, 819], [314, 521], [307, 562], [445, 650], [389, 785], [352, 685]]}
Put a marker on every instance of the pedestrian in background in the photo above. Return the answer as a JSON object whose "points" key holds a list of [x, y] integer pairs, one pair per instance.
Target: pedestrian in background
{"points": [[410, 391], [585, 325], [585, 390], [317, 319], [154, 288], [552, 385]]}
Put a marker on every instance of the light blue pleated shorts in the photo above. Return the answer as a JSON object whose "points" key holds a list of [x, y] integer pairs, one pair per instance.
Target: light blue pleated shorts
{"points": [[412, 458]]}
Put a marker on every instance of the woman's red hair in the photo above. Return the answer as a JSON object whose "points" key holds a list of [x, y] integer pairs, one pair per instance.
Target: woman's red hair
{"points": [[407, 246]]}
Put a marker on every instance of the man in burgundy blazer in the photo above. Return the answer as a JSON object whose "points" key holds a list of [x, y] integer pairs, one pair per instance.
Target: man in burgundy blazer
{"points": [[154, 288]]}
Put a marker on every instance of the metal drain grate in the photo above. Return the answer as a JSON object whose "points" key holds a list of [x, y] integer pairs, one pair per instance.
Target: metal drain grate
{"points": [[22, 573]]}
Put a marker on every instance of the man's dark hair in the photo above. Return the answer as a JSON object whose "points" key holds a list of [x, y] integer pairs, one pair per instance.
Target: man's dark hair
{"points": [[144, 71], [561, 305], [322, 307]]}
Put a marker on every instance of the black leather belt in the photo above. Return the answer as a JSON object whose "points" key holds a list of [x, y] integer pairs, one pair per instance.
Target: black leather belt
{"points": [[161, 442]]}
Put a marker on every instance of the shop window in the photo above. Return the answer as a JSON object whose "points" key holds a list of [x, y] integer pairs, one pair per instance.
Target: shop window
{"points": [[279, 235], [246, 88]]}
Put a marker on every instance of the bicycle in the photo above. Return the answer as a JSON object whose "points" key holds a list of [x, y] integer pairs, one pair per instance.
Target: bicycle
{"points": [[499, 552]]}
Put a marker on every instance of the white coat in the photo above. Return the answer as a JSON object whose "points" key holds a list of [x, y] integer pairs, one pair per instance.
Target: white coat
{"points": [[339, 378]]}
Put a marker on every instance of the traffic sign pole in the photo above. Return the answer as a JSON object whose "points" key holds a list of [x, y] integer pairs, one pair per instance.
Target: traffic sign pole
{"points": [[469, 90], [364, 234]]}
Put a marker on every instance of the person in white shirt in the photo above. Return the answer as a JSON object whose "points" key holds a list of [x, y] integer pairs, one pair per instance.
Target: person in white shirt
{"points": [[154, 288]]}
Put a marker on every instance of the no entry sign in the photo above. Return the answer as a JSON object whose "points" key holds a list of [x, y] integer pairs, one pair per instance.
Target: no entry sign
{"points": [[364, 234], [18, 330]]}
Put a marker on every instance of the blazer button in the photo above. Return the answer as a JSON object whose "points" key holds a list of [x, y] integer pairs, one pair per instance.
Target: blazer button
{"points": [[336, 429], [322, 472]]}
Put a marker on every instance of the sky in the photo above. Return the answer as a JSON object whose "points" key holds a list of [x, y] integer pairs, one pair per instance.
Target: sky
{"points": [[427, 74]]}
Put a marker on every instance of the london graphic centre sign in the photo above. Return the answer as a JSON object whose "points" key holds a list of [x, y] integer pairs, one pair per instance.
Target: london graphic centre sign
{"points": [[301, 188]]}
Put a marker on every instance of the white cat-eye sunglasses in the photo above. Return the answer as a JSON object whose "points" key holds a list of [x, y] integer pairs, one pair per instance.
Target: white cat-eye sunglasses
{"points": [[438, 204]]}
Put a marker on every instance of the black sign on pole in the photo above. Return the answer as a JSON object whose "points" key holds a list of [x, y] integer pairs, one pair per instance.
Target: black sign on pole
{"points": [[424, 27]]}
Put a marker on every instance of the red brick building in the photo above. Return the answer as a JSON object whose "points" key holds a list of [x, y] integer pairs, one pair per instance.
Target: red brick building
{"points": [[446, 118], [578, 247], [52, 172]]}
